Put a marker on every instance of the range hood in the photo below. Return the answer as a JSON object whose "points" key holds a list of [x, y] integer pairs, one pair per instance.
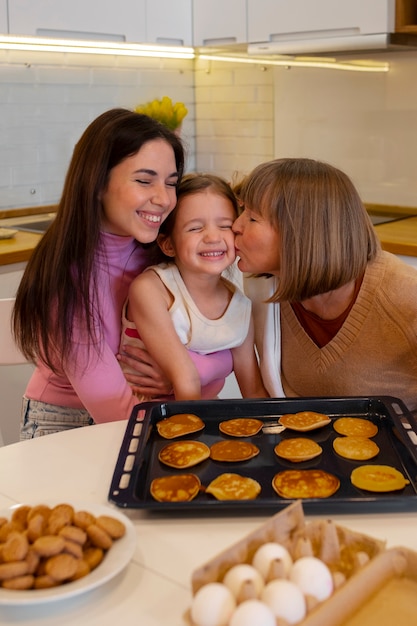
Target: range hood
{"points": [[355, 43]]}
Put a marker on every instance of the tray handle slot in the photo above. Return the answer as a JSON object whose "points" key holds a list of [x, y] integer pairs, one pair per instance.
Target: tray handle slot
{"points": [[406, 425], [134, 440]]}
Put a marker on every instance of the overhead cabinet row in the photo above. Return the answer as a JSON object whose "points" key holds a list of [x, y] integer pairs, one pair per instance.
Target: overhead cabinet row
{"points": [[208, 22], [151, 21]]}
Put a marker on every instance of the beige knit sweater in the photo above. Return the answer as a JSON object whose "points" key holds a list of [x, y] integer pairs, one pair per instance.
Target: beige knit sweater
{"points": [[375, 351]]}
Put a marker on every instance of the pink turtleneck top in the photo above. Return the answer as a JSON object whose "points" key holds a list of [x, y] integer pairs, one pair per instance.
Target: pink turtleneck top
{"points": [[94, 379]]}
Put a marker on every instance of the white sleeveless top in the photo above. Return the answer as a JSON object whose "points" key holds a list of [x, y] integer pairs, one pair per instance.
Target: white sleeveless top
{"points": [[197, 332]]}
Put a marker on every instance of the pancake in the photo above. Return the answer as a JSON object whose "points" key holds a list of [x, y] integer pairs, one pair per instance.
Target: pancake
{"points": [[241, 427], [183, 454], [304, 420], [178, 488], [298, 449], [233, 451], [355, 426], [311, 483], [380, 478], [179, 425], [234, 487], [355, 448]]}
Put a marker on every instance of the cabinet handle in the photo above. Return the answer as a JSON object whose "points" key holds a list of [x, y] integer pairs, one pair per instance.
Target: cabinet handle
{"points": [[218, 41]]}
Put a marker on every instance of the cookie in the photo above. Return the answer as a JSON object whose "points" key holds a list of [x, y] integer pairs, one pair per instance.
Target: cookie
{"points": [[231, 486], [60, 516], [93, 556], [99, 537], [178, 488], [15, 547], [61, 566], [183, 454], [304, 421], [298, 449], [355, 448], [83, 519], [49, 545], [379, 478], [11, 570], [355, 427], [114, 527], [73, 533], [179, 425], [241, 427], [311, 483], [19, 582], [233, 451]]}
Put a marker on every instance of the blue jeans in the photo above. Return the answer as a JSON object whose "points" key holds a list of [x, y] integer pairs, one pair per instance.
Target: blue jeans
{"points": [[41, 418]]}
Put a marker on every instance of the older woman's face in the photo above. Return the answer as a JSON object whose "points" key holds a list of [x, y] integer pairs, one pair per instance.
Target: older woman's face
{"points": [[257, 244]]}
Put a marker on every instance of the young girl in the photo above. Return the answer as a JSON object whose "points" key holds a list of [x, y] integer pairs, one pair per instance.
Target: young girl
{"points": [[186, 303], [120, 186]]}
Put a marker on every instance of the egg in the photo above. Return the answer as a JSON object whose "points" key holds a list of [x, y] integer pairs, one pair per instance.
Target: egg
{"points": [[272, 554], [285, 600], [252, 613], [212, 605], [244, 581], [313, 577]]}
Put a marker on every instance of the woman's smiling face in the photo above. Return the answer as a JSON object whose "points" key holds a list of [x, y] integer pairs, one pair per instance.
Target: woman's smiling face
{"points": [[141, 192], [257, 243]]}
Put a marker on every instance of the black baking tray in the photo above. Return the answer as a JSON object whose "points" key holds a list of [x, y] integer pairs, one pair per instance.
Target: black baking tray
{"points": [[138, 463]]}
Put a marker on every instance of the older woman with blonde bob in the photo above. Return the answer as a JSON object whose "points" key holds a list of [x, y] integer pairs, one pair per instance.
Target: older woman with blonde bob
{"points": [[334, 314]]}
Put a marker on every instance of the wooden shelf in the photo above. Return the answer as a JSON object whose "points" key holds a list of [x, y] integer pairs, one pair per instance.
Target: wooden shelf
{"points": [[406, 16]]}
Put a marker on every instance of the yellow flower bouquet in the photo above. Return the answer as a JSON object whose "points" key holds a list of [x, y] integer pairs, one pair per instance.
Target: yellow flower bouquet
{"points": [[164, 111]]}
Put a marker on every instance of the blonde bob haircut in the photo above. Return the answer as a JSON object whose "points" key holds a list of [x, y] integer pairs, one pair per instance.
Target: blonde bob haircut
{"points": [[327, 238]]}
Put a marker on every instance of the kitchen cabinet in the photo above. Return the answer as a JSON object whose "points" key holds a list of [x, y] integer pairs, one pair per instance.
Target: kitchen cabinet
{"points": [[3, 17], [169, 22], [13, 378], [84, 19], [216, 22], [276, 20], [161, 21]]}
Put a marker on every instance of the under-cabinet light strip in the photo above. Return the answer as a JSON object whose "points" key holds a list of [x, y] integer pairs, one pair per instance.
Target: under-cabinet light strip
{"points": [[330, 64], [38, 44]]}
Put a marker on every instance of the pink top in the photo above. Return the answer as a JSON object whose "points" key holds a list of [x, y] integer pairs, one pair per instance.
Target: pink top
{"points": [[95, 381]]}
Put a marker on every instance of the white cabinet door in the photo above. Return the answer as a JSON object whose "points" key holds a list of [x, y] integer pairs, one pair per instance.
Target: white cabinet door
{"points": [[169, 22], [217, 22], [4, 27], [270, 20], [106, 19]]}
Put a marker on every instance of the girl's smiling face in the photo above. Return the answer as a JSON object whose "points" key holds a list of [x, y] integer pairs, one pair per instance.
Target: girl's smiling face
{"points": [[141, 192], [258, 244], [202, 239]]}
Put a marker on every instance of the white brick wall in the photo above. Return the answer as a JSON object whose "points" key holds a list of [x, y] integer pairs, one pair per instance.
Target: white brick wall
{"points": [[234, 117], [46, 101], [240, 115]]}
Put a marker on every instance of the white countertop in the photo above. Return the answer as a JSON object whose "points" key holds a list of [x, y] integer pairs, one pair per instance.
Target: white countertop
{"points": [[154, 589]]}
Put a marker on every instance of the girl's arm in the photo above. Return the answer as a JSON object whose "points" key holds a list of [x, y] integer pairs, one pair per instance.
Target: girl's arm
{"points": [[246, 368], [148, 308]]}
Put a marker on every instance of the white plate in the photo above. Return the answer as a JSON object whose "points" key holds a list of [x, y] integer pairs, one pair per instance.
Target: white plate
{"points": [[115, 560]]}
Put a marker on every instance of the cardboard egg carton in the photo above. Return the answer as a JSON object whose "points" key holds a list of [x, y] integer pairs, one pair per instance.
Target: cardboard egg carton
{"points": [[360, 566]]}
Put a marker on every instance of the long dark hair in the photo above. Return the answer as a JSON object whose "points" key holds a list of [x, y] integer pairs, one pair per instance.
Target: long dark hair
{"points": [[59, 278]]}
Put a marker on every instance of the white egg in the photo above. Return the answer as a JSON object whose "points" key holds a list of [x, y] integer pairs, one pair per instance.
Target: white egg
{"points": [[252, 613], [313, 577], [285, 600], [243, 574], [267, 554], [212, 605]]}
